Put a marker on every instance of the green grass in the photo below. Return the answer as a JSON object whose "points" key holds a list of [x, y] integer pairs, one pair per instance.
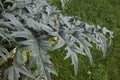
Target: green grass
{"points": [[105, 13]]}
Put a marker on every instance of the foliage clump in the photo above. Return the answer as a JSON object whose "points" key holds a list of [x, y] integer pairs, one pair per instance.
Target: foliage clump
{"points": [[26, 30]]}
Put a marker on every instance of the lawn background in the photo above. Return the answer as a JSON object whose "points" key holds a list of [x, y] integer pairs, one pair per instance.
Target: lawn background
{"points": [[105, 13]]}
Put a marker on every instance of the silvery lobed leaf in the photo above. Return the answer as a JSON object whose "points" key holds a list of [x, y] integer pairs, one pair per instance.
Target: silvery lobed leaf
{"points": [[3, 53], [14, 21], [12, 73], [74, 58]]}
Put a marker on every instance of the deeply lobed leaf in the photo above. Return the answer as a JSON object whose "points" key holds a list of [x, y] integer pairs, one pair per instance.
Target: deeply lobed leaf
{"points": [[29, 24]]}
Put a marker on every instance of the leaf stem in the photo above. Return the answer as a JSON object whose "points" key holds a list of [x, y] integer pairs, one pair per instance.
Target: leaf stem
{"points": [[1, 5], [2, 61]]}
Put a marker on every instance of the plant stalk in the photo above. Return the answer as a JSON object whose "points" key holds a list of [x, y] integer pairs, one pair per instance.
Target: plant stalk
{"points": [[2, 61]]}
